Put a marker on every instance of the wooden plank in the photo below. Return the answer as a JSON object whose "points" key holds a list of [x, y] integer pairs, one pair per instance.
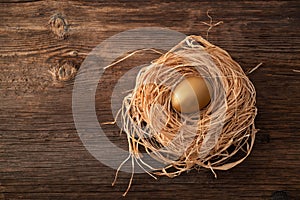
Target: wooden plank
{"points": [[41, 155]]}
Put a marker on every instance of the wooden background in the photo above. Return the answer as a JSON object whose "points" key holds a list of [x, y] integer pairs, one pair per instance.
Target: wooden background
{"points": [[41, 155]]}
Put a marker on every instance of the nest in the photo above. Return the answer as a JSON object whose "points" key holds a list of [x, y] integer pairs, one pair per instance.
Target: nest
{"points": [[218, 137]]}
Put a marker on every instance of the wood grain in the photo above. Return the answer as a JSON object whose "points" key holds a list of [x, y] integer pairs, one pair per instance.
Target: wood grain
{"points": [[41, 155]]}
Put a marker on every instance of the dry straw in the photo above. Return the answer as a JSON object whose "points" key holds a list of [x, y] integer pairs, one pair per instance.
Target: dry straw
{"points": [[218, 137]]}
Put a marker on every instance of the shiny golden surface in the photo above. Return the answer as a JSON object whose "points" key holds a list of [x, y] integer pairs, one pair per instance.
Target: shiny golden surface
{"points": [[190, 95]]}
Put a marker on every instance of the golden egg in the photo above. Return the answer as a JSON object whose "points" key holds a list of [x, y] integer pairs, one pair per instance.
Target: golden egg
{"points": [[190, 95]]}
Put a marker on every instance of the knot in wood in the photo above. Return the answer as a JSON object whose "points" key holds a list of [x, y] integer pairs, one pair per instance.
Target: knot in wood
{"points": [[59, 26], [280, 195], [66, 71]]}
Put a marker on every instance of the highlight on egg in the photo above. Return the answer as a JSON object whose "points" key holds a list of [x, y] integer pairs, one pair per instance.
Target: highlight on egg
{"points": [[190, 95]]}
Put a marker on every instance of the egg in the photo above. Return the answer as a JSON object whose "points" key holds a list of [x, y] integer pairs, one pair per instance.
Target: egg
{"points": [[190, 95]]}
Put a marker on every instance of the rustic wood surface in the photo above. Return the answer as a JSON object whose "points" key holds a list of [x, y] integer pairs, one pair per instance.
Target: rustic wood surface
{"points": [[41, 154]]}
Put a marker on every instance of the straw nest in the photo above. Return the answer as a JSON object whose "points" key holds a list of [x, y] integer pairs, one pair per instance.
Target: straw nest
{"points": [[218, 137]]}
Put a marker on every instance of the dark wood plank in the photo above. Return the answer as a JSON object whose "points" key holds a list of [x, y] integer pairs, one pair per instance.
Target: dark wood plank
{"points": [[41, 155]]}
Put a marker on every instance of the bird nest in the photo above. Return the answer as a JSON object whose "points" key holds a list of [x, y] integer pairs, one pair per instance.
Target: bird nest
{"points": [[217, 137]]}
